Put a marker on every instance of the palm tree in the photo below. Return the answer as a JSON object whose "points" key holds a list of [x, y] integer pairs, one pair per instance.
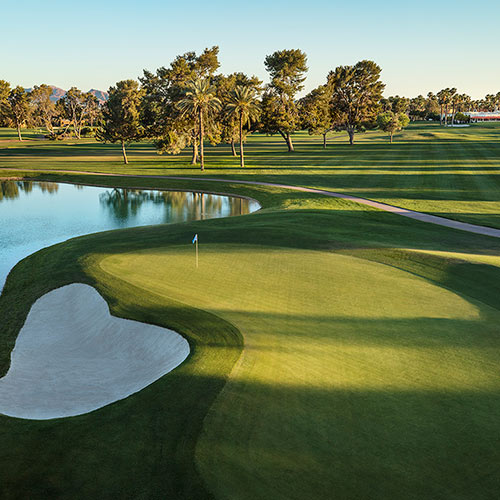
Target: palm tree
{"points": [[200, 102], [244, 106], [445, 98], [442, 96], [455, 104]]}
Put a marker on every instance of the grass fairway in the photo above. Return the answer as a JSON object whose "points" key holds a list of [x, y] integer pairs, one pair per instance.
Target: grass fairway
{"points": [[337, 351], [453, 172]]}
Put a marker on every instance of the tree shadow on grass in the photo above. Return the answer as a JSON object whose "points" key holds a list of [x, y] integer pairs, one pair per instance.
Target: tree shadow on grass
{"points": [[383, 443]]}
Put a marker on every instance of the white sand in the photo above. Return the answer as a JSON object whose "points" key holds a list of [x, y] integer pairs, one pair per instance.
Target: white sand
{"points": [[72, 357]]}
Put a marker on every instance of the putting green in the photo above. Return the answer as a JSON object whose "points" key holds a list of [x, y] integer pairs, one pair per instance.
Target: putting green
{"points": [[353, 379]]}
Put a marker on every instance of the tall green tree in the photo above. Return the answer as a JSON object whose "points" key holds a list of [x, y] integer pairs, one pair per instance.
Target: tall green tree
{"points": [[228, 123], [445, 99], [43, 108], [243, 105], [72, 105], [416, 108], [279, 109], [4, 90], [19, 108], [395, 104], [391, 122], [431, 104], [171, 129], [4, 103], [356, 93], [92, 108], [316, 113], [200, 102], [121, 115]]}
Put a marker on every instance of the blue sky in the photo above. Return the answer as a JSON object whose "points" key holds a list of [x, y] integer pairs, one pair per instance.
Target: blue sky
{"points": [[421, 46]]}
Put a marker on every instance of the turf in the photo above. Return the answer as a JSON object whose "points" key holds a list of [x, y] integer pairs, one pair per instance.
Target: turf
{"points": [[338, 379], [444, 171], [360, 348]]}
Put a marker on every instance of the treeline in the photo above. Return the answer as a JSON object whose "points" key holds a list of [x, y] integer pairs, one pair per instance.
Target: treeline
{"points": [[447, 106], [189, 103], [34, 108]]}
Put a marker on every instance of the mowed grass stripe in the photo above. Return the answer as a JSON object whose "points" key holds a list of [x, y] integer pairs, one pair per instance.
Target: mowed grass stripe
{"points": [[355, 377]]}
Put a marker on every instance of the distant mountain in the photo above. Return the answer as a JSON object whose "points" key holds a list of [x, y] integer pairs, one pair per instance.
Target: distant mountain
{"points": [[57, 93], [102, 95]]}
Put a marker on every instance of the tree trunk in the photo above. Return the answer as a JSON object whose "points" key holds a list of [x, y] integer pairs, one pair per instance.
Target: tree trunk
{"points": [[194, 159], [49, 126], [233, 149], [324, 140], [441, 116], [202, 159], [391, 137], [288, 140], [351, 136], [242, 159], [19, 131], [125, 159]]}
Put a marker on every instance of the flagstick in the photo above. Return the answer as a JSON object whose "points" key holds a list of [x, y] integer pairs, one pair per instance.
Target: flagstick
{"points": [[196, 253]]}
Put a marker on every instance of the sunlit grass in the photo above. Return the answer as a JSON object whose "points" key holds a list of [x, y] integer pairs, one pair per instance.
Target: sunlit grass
{"points": [[452, 172], [362, 348], [319, 327]]}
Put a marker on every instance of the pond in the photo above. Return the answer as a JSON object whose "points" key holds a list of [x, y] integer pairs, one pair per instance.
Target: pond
{"points": [[34, 215]]}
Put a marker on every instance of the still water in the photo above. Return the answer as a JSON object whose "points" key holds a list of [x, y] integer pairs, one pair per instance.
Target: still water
{"points": [[34, 215]]}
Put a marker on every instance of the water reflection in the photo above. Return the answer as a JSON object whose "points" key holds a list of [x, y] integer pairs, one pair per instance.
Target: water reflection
{"points": [[177, 205], [36, 214], [122, 204], [10, 190]]}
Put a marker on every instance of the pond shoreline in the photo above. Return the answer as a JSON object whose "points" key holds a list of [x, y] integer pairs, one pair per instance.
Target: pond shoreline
{"points": [[179, 190]]}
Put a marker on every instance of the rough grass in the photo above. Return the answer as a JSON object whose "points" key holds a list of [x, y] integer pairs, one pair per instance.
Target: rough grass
{"points": [[361, 348]]}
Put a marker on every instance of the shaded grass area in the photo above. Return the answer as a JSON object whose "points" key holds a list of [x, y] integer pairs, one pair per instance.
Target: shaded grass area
{"points": [[371, 340], [141, 447], [355, 378], [334, 395], [444, 171]]}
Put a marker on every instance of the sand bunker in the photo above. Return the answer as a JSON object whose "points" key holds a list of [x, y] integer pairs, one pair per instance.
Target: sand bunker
{"points": [[72, 357]]}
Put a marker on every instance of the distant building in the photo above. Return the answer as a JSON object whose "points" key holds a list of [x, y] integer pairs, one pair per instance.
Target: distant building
{"points": [[482, 116]]}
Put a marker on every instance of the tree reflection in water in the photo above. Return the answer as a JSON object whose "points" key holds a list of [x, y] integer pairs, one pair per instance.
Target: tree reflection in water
{"points": [[10, 190], [124, 204], [179, 205]]}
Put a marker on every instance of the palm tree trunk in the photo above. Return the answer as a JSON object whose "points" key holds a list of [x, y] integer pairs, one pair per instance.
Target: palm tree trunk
{"points": [[324, 140], [202, 160], [194, 159], [125, 159], [242, 159]]}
